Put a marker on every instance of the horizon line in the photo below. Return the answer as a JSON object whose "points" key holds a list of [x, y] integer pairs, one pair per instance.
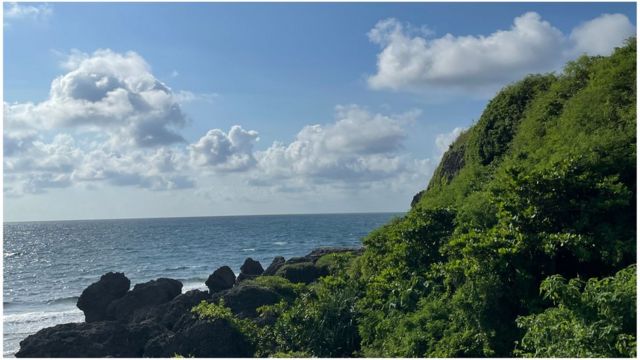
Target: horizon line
{"points": [[204, 216]]}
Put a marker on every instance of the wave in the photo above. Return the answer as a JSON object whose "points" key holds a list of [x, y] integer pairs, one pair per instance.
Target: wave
{"points": [[11, 254], [249, 249], [176, 268], [65, 300], [280, 243], [42, 317]]}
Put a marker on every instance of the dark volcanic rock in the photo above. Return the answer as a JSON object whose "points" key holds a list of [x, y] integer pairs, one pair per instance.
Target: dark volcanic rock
{"points": [[95, 339], [244, 299], [416, 198], [250, 269], [168, 314], [277, 262], [316, 254], [221, 279], [304, 272], [154, 292], [203, 338], [95, 298]]}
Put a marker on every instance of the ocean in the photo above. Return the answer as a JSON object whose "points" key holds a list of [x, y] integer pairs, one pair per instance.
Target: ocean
{"points": [[48, 264]]}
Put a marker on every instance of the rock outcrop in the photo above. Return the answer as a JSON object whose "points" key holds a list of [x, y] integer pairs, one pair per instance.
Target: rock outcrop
{"points": [[244, 299], [202, 338], [302, 272], [276, 264], [155, 320], [221, 279], [95, 299], [91, 339], [154, 292], [250, 270]]}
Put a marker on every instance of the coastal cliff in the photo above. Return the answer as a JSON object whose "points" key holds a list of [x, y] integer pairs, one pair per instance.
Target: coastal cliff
{"points": [[522, 244]]}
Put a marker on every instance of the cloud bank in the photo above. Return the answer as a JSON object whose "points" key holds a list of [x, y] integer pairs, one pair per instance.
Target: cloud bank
{"points": [[108, 121], [409, 62]]}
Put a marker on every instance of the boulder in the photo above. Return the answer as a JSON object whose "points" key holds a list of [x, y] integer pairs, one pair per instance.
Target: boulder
{"points": [[151, 293], [302, 272], [276, 264], [244, 299], [95, 299], [203, 338], [316, 254], [168, 314], [94, 339], [221, 279], [250, 269]]}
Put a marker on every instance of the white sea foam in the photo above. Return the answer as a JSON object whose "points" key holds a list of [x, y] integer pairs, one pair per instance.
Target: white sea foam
{"points": [[19, 325], [280, 243], [193, 285]]}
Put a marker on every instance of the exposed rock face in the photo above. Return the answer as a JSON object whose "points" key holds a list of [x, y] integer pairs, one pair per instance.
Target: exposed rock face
{"points": [[276, 264], [416, 198], [221, 279], [250, 269], [316, 254], [302, 272], [96, 298], [154, 292], [201, 338], [243, 299], [94, 339], [168, 314], [154, 319]]}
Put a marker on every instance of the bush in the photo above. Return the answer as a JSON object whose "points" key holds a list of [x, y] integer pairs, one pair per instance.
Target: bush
{"points": [[596, 319]]}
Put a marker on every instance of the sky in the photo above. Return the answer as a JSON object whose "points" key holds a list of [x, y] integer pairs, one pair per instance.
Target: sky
{"points": [[132, 110]]}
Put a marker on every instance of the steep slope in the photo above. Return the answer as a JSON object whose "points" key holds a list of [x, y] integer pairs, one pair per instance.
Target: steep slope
{"points": [[543, 185]]}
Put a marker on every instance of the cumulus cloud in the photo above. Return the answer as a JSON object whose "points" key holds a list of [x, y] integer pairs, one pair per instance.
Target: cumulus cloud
{"points": [[476, 62], [443, 141], [106, 91], [108, 121], [158, 170], [225, 152], [602, 34], [357, 147]]}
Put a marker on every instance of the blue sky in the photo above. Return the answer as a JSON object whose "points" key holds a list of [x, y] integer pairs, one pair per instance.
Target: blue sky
{"points": [[361, 99]]}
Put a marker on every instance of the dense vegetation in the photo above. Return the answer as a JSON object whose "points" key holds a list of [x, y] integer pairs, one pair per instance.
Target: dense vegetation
{"points": [[523, 244]]}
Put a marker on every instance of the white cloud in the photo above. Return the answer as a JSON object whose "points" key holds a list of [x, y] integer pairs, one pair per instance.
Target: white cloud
{"points": [[184, 97], [19, 11], [225, 152], [602, 34], [480, 63], [443, 141], [108, 121], [106, 91], [358, 147], [161, 169]]}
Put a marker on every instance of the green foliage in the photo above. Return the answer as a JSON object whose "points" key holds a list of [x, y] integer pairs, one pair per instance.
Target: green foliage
{"points": [[596, 319], [212, 311], [542, 189], [282, 286], [336, 262], [542, 185], [322, 321]]}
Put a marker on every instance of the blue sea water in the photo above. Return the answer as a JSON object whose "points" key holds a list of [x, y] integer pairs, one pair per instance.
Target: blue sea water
{"points": [[48, 264]]}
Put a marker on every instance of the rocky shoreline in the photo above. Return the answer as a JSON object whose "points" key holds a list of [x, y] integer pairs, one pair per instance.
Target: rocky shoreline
{"points": [[154, 319]]}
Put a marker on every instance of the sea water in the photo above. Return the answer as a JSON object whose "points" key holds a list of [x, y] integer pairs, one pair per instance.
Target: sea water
{"points": [[48, 264]]}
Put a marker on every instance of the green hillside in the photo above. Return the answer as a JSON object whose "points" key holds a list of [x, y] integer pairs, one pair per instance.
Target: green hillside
{"points": [[523, 243]]}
